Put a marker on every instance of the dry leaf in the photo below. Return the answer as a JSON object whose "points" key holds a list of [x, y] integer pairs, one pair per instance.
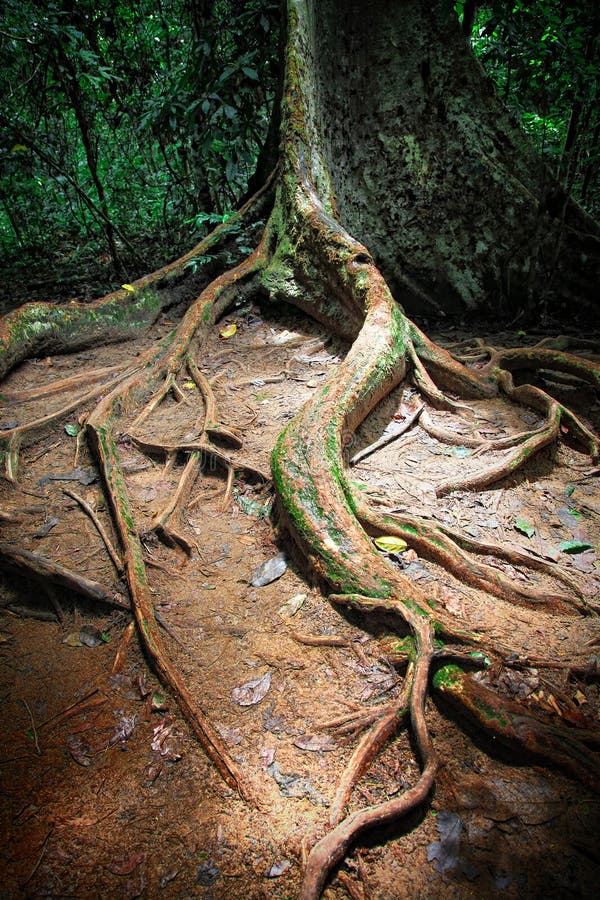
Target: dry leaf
{"points": [[390, 544], [252, 691]]}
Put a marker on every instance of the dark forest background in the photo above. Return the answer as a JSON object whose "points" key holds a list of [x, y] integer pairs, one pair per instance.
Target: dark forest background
{"points": [[128, 129]]}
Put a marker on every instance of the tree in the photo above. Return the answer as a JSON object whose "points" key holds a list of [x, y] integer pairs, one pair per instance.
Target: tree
{"points": [[126, 127], [398, 178]]}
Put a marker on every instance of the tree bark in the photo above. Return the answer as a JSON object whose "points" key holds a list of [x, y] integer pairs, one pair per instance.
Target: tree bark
{"points": [[426, 168]]}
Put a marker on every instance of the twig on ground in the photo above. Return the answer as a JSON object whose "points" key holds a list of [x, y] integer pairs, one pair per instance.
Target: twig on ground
{"points": [[393, 431], [33, 728], [118, 564]]}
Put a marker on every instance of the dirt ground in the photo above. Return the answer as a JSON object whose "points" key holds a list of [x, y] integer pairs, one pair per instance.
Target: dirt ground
{"points": [[106, 792]]}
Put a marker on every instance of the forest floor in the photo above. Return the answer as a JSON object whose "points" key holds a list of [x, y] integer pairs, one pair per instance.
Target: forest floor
{"points": [[106, 792]]}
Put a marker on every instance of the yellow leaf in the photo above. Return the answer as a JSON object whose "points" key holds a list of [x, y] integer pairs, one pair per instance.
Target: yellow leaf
{"points": [[16, 147], [390, 544], [229, 331], [189, 385], [128, 287]]}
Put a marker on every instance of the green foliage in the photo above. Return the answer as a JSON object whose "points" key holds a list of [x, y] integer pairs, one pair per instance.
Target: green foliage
{"points": [[124, 125], [543, 57]]}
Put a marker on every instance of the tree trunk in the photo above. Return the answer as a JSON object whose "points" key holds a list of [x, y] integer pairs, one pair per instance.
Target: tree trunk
{"points": [[422, 164]]}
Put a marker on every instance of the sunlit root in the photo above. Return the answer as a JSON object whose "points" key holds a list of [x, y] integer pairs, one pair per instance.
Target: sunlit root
{"points": [[36, 329], [442, 545], [382, 729], [100, 429], [148, 627], [14, 438], [327, 852], [513, 459]]}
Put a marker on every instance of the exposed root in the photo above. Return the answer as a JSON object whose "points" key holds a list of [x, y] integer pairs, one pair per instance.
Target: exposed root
{"points": [[59, 386], [355, 722], [36, 329], [155, 448], [441, 545], [513, 459], [156, 371], [14, 436], [515, 726], [366, 750], [100, 429], [161, 523], [327, 852], [153, 404], [23, 562]]}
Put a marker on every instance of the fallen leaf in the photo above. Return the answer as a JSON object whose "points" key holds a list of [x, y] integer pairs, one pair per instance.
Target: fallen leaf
{"points": [[72, 640], [445, 851], [461, 452], [270, 571], [390, 544], [315, 743], [569, 517], [124, 865], [48, 525], [167, 741], [79, 749], [575, 546], [82, 475], [524, 527], [124, 730], [73, 430], [90, 636], [229, 331], [158, 702], [277, 869], [207, 873], [252, 691], [128, 287], [292, 606]]}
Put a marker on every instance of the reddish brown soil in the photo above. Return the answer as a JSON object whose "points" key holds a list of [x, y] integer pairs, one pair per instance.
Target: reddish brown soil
{"points": [[89, 809]]}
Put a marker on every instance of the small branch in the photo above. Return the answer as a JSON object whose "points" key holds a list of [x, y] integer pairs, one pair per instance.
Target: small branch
{"points": [[320, 640], [60, 385], [117, 562], [123, 648], [33, 728], [393, 431], [30, 564]]}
